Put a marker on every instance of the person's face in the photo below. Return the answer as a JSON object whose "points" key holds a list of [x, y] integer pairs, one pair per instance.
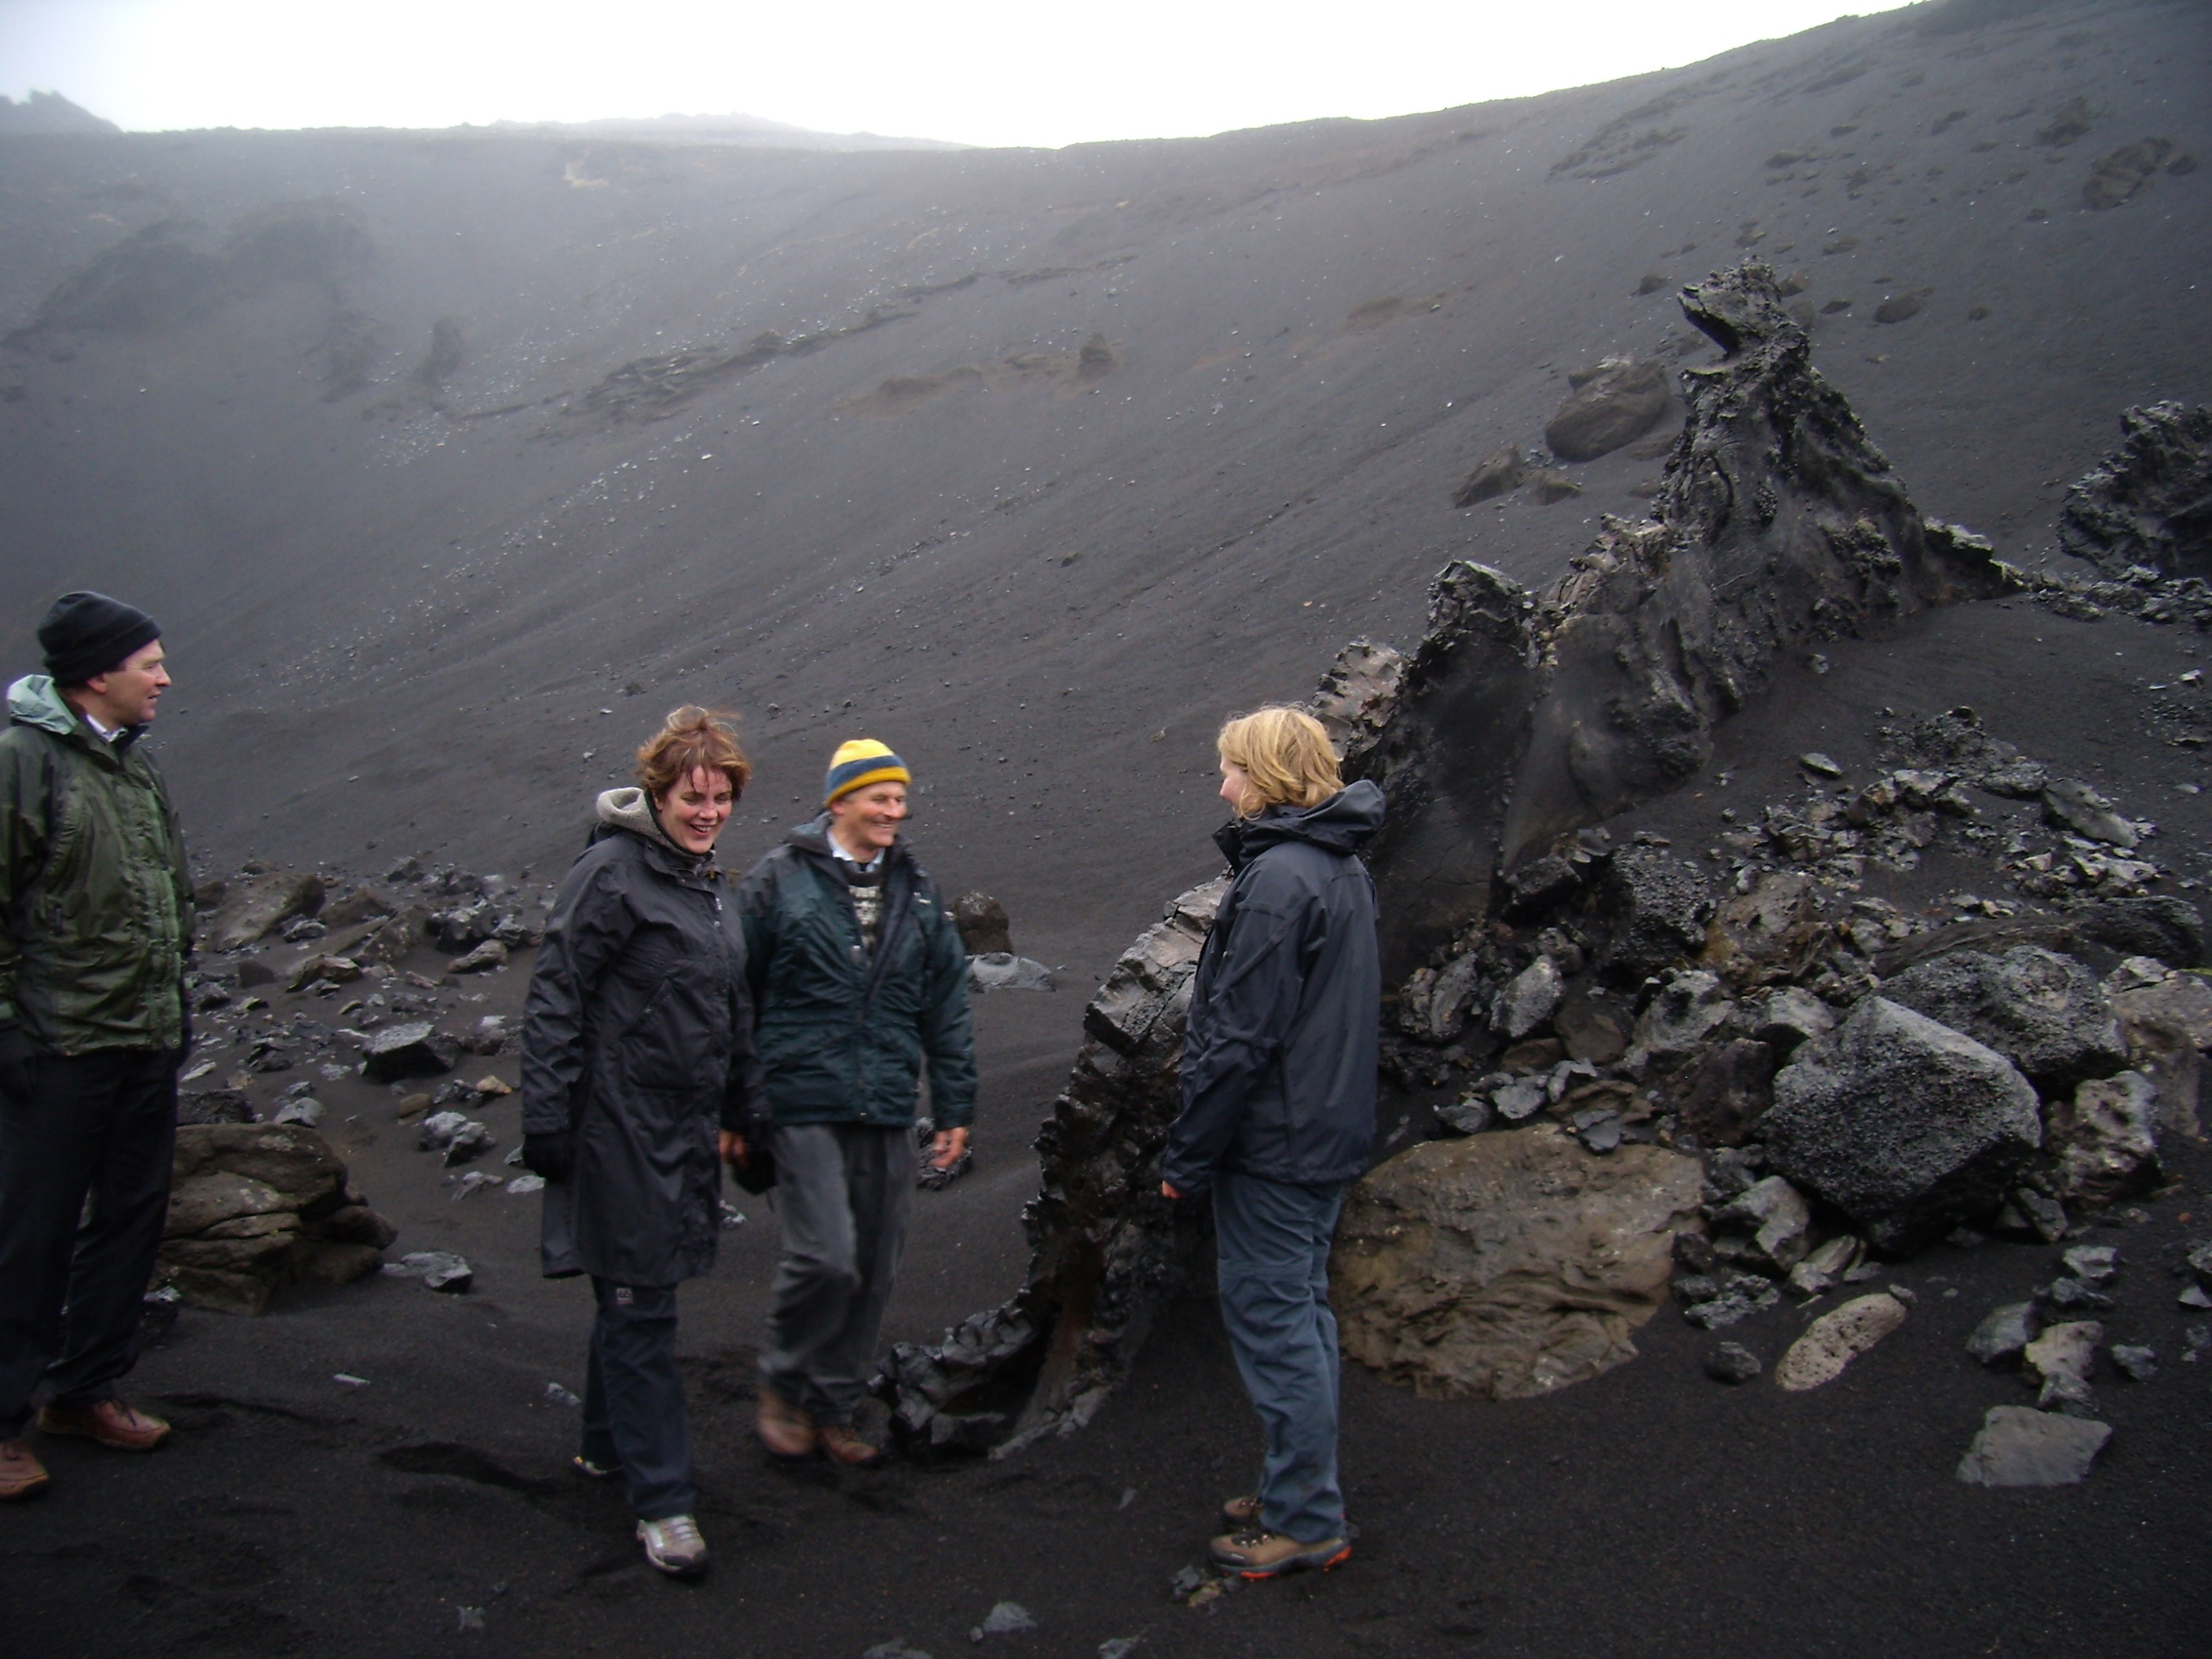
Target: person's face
{"points": [[867, 820], [694, 808], [126, 695], [1235, 787]]}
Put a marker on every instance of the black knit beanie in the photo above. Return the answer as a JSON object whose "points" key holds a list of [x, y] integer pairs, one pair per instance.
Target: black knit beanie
{"points": [[90, 634]]}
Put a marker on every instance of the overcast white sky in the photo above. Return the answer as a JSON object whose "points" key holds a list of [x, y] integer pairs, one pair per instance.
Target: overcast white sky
{"points": [[979, 71]]}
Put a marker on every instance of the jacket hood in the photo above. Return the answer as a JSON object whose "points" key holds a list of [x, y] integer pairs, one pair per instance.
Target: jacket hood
{"points": [[35, 699], [629, 808], [1343, 823]]}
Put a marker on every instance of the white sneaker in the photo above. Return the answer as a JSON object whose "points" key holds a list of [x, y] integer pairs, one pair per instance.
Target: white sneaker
{"points": [[673, 1545]]}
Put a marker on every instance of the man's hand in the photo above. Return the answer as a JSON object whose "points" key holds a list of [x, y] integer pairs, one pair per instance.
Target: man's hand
{"points": [[15, 1054], [733, 1147], [552, 1156], [946, 1150], [1167, 1191]]}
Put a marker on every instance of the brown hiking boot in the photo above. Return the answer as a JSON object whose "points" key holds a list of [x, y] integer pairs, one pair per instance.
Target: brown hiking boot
{"points": [[841, 1443], [785, 1430], [1241, 1514], [1257, 1554], [110, 1422], [20, 1474]]}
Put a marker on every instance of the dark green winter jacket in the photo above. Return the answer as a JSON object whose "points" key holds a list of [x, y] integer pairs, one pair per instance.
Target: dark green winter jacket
{"points": [[95, 905], [842, 1035]]}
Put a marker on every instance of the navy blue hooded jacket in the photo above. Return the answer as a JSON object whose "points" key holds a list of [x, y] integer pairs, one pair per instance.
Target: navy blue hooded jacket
{"points": [[1286, 1012]]}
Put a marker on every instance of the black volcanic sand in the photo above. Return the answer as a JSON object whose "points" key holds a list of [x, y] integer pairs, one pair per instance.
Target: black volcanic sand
{"points": [[398, 609], [1651, 1512]]}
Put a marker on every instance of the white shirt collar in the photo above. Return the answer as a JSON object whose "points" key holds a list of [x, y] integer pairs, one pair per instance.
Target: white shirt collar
{"points": [[837, 847]]}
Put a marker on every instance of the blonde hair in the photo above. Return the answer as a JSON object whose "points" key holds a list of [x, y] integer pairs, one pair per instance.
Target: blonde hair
{"points": [[1284, 754], [692, 738]]}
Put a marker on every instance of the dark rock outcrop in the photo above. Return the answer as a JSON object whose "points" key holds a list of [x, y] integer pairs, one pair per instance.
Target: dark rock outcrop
{"points": [[2149, 502], [253, 908], [1518, 720]]}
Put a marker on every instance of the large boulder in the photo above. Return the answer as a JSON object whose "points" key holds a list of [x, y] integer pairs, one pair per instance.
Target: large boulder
{"points": [[253, 1207], [1508, 1264], [2042, 1011], [1906, 1126], [1619, 402]]}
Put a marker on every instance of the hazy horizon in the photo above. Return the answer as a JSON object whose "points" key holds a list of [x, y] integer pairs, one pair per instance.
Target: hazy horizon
{"points": [[988, 73]]}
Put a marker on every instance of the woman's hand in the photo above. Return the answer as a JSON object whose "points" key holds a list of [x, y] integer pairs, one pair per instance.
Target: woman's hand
{"points": [[946, 1150], [733, 1147]]}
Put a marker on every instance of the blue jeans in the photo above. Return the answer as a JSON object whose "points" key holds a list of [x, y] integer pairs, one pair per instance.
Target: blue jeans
{"points": [[633, 1416], [1272, 1243]]}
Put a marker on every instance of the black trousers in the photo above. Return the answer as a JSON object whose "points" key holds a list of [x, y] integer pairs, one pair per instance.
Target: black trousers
{"points": [[84, 1194], [633, 1416]]}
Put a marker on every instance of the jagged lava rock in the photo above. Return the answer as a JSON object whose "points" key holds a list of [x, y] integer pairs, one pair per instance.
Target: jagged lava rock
{"points": [[1771, 934], [2165, 1020], [2104, 1141], [1658, 904], [2004, 1333], [1906, 1126], [1522, 717], [2149, 501], [2043, 1012], [1507, 1264]]}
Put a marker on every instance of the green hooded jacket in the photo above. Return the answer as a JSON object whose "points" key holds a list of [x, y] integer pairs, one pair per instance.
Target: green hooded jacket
{"points": [[95, 904], [843, 1036]]}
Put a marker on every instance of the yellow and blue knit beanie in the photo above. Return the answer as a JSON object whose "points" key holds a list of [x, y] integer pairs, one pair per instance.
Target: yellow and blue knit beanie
{"points": [[859, 763]]}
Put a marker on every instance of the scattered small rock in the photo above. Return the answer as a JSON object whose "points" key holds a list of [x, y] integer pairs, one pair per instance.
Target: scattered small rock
{"points": [[441, 1270], [1004, 1619], [2139, 1364], [2017, 1447], [1836, 1338], [2004, 1333], [1733, 1362]]}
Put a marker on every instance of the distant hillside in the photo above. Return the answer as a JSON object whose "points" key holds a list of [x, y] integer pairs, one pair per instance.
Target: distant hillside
{"points": [[48, 112], [720, 129], [452, 459]]}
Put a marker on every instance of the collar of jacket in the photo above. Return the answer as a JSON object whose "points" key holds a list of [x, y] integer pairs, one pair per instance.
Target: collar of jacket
{"points": [[1343, 823], [812, 838], [629, 811], [36, 701]]}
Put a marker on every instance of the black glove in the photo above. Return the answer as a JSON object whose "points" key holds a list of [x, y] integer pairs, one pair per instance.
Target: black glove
{"points": [[553, 1155], [15, 1053]]}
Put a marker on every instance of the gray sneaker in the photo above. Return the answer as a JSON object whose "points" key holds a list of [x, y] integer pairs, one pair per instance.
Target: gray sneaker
{"points": [[673, 1545]]}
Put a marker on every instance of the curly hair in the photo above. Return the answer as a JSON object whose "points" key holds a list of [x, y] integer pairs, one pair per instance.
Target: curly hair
{"points": [[690, 738], [1284, 754]]}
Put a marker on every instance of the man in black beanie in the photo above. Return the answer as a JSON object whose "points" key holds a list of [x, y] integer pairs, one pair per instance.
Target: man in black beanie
{"points": [[95, 924]]}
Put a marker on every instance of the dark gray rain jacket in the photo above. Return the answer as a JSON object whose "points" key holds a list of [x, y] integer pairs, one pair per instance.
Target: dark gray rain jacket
{"points": [[1286, 1012], [637, 1038], [844, 1035]]}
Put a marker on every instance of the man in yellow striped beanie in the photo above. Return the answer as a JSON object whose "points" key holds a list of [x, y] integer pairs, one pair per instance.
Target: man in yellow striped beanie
{"points": [[859, 979]]}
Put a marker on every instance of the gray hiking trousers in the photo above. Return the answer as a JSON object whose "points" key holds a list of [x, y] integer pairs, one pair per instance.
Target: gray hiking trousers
{"points": [[844, 1191]]}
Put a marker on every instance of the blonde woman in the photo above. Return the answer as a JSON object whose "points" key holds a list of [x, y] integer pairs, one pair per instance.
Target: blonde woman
{"points": [[1278, 1109]]}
